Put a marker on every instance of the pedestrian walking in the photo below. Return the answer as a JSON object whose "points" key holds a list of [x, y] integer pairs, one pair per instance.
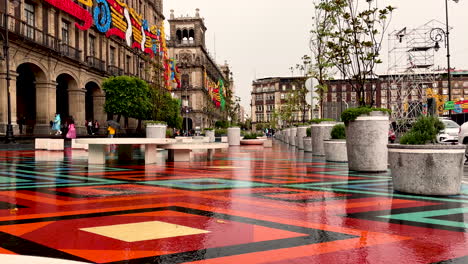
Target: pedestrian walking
{"points": [[71, 129], [89, 127], [56, 125], [110, 131], [95, 127]]}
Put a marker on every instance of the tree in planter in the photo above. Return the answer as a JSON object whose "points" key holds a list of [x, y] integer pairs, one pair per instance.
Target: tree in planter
{"points": [[301, 93], [354, 41], [322, 65], [127, 96]]}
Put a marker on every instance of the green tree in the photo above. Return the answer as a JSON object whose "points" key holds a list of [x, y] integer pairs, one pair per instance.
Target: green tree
{"points": [[166, 108], [321, 65], [354, 42], [127, 96]]}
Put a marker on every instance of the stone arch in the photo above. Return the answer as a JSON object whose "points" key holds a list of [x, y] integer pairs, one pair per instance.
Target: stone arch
{"points": [[42, 70], [31, 96], [70, 100]]}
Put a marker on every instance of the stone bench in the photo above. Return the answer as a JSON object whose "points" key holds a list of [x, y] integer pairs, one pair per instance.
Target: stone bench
{"points": [[49, 143], [97, 151], [75, 145], [181, 151]]}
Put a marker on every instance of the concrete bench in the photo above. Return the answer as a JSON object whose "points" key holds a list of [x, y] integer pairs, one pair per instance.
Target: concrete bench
{"points": [[49, 143], [97, 152], [75, 145], [181, 151]]}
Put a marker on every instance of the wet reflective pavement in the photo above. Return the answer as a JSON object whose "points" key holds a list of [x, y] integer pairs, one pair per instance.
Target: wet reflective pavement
{"points": [[248, 205]]}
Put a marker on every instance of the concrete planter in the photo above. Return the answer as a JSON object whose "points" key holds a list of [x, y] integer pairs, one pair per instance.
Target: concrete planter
{"points": [[234, 136], [286, 135], [210, 134], [307, 141], [366, 142], [258, 141], [300, 134], [335, 150], [427, 169], [319, 133], [292, 136], [156, 131]]}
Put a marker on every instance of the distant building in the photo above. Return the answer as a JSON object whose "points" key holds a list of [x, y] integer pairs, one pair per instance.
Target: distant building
{"points": [[204, 84], [268, 95]]}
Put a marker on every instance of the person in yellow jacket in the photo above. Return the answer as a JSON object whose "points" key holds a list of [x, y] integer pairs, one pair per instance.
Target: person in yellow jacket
{"points": [[111, 131]]}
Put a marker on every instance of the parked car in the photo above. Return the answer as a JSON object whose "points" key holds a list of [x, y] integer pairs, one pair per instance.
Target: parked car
{"points": [[463, 134], [450, 133]]}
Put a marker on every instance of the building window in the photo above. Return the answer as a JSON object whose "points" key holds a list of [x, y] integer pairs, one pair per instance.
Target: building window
{"points": [[30, 19], [282, 96], [294, 87], [65, 32], [112, 56], [127, 64], [185, 81], [92, 46]]}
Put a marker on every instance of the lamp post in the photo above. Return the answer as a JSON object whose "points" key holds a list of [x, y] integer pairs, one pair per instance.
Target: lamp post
{"points": [[437, 35], [9, 137]]}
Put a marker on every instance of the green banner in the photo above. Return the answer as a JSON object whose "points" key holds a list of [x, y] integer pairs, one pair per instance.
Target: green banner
{"points": [[449, 105]]}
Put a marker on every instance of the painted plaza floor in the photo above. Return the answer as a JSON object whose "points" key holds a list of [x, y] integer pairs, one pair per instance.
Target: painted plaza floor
{"points": [[249, 205]]}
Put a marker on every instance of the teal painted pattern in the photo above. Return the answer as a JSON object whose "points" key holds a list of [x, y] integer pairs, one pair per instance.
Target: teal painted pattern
{"points": [[425, 217], [206, 183]]}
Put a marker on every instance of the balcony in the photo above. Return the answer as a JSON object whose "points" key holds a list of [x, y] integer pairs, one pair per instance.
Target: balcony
{"points": [[96, 63], [114, 70], [69, 51], [20, 29]]}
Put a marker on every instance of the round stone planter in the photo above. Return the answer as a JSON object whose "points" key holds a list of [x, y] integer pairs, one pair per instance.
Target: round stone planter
{"points": [[335, 150], [366, 142], [426, 169], [320, 132], [307, 141], [233, 136], [292, 136], [286, 135], [210, 134], [300, 134], [258, 141], [156, 130]]}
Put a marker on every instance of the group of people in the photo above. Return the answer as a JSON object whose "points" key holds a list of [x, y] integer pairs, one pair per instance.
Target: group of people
{"points": [[69, 126], [92, 127]]}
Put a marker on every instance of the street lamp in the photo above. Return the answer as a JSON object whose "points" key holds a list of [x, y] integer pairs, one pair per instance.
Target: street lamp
{"points": [[437, 35], [9, 137]]}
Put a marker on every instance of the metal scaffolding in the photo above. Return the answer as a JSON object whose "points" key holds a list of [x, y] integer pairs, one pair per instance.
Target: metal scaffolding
{"points": [[410, 73]]}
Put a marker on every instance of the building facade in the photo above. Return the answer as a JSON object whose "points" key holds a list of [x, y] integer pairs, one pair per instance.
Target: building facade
{"points": [[60, 51], [269, 95], [406, 97], [205, 86]]}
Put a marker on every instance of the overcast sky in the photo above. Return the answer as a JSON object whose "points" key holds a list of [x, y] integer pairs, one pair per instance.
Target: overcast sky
{"points": [[264, 38]]}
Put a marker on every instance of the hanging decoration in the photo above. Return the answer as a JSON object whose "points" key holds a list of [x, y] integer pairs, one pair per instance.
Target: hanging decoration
{"points": [[116, 18]]}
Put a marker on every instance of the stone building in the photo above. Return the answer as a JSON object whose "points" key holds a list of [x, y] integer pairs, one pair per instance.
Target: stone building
{"points": [[60, 51], [201, 76], [269, 94]]}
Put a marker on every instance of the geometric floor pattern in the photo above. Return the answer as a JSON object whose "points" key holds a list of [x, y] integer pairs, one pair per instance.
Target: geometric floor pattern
{"points": [[247, 205]]}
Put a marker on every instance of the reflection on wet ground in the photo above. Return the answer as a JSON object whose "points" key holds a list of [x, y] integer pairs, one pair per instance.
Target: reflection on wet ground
{"points": [[248, 205]]}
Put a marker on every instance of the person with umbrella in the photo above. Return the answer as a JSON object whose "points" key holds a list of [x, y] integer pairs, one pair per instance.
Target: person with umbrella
{"points": [[112, 126]]}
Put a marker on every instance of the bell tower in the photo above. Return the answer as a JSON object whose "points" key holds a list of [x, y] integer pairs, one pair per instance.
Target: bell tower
{"points": [[187, 31]]}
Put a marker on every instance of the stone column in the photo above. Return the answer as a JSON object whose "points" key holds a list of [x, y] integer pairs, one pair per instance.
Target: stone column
{"points": [[4, 101], [76, 101], [300, 134], [99, 114], [45, 106]]}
